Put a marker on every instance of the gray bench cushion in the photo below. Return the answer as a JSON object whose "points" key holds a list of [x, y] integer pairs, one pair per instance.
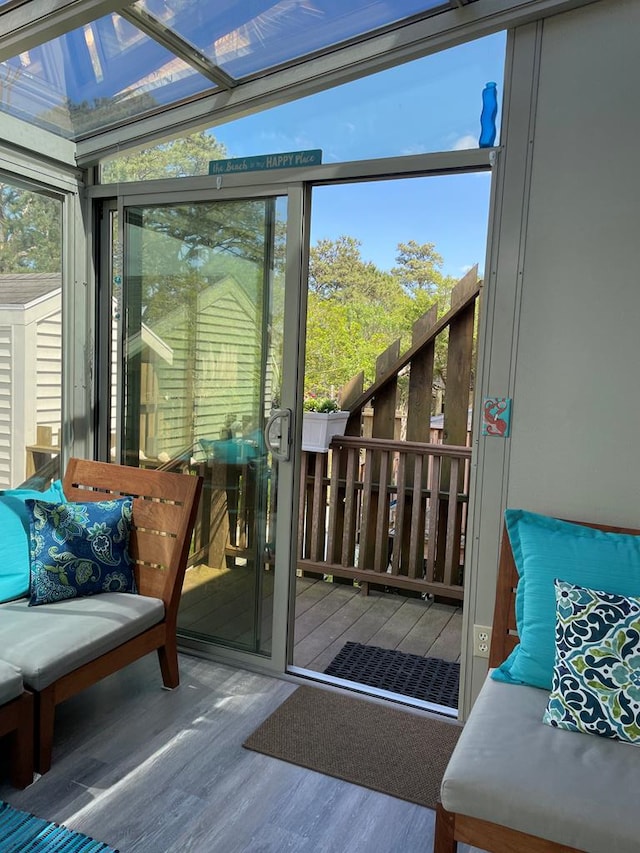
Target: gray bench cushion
{"points": [[10, 682], [51, 640], [509, 768]]}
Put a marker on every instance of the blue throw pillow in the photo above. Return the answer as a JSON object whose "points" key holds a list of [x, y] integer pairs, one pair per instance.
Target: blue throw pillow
{"points": [[596, 678], [544, 549], [14, 540], [80, 549]]}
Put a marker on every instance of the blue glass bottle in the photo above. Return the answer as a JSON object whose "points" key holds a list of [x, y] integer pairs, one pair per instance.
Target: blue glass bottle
{"points": [[488, 116]]}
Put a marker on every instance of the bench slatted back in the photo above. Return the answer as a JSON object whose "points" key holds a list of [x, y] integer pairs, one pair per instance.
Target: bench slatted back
{"points": [[164, 512], [504, 636]]}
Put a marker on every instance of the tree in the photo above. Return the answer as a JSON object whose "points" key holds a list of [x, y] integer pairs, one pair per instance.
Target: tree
{"points": [[338, 271], [355, 310], [31, 222], [196, 243], [30, 231], [419, 271], [179, 158]]}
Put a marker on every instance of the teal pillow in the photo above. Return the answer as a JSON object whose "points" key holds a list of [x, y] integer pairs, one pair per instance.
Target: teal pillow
{"points": [[14, 541], [596, 677], [80, 549], [544, 549]]}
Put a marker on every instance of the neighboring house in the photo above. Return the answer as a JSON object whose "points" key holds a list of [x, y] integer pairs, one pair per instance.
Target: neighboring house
{"points": [[199, 395], [30, 367], [181, 401]]}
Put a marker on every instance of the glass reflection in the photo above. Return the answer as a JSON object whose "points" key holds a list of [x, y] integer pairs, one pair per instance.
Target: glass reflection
{"points": [[104, 72], [204, 294], [244, 38]]}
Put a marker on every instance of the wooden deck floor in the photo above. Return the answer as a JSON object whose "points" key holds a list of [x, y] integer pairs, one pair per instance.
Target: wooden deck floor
{"points": [[328, 615]]}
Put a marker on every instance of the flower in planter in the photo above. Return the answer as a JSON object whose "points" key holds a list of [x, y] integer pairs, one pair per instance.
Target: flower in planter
{"points": [[320, 404], [323, 418]]}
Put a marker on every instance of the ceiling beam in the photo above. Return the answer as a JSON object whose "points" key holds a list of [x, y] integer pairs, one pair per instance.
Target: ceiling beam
{"points": [[39, 143], [178, 46], [38, 21]]}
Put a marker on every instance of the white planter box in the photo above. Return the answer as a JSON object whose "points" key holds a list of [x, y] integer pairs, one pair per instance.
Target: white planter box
{"points": [[318, 428]]}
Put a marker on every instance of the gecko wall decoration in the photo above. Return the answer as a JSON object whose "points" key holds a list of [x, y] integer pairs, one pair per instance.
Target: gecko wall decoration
{"points": [[496, 416]]}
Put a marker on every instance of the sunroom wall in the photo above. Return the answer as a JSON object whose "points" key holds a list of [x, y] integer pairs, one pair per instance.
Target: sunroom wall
{"points": [[563, 301]]}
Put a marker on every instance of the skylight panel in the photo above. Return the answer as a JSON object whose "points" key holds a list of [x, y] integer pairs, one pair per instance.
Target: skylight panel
{"points": [[246, 38], [105, 72]]}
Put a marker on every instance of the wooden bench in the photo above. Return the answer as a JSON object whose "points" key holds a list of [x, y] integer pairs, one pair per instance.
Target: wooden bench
{"points": [[608, 759], [16, 724], [127, 626]]}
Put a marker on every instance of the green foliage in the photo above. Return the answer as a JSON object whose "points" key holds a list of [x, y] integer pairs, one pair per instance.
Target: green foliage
{"points": [[179, 158], [30, 231], [356, 310], [324, 405], [338, 271], [192, 246], [97, 113]]}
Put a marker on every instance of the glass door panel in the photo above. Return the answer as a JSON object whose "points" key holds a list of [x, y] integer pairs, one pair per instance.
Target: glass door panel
{"points": [[203, 292]]}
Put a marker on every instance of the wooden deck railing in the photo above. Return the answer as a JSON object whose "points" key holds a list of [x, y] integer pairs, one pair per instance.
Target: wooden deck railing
{"points": [[386, 512], [379, 511]]}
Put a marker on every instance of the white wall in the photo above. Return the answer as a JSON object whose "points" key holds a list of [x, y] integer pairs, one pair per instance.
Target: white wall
{"points": [[562, 307]]}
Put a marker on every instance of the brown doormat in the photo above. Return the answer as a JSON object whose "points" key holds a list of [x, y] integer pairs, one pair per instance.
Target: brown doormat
{"points": [[387, 749]]}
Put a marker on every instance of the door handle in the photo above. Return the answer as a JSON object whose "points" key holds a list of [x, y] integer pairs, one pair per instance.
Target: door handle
{"points": [[277, 434]]}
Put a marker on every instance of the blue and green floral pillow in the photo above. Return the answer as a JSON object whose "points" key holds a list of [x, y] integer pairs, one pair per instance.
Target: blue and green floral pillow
{"points": [[79, 549], [596, 678]]}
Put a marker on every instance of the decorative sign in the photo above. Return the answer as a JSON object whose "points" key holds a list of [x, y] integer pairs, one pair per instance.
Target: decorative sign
{"points": [[287, 160], [496, 416]]}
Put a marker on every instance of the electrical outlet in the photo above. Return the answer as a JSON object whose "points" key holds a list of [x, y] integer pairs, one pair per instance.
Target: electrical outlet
{"points": [[481, 640]]}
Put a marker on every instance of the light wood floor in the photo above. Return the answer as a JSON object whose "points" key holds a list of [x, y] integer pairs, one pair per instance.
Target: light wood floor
{"points": [[153, 771]]}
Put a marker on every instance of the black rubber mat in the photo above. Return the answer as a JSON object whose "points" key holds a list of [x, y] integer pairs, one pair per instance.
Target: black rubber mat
{"points": [[430, 679]]}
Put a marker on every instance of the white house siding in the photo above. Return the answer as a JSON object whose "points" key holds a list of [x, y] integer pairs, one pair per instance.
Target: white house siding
{"points": [[30, 367], [213, 378], [48, 372], [6, 405], [227, 361], [166, 420]]}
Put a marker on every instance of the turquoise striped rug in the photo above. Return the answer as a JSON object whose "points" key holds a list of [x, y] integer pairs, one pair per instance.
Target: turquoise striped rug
{"points": [[21, 831]]}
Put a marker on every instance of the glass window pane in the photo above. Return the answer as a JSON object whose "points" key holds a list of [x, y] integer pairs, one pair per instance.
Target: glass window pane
{"points": [[107, 71], [30, 333], [430, 104], [244, 38]]}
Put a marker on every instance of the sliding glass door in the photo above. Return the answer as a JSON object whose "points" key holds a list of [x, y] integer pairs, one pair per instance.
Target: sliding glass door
{"points": [[202, 310]]}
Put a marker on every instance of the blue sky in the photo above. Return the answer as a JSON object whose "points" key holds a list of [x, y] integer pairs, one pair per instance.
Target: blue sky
{"points": [[431, 104]]}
